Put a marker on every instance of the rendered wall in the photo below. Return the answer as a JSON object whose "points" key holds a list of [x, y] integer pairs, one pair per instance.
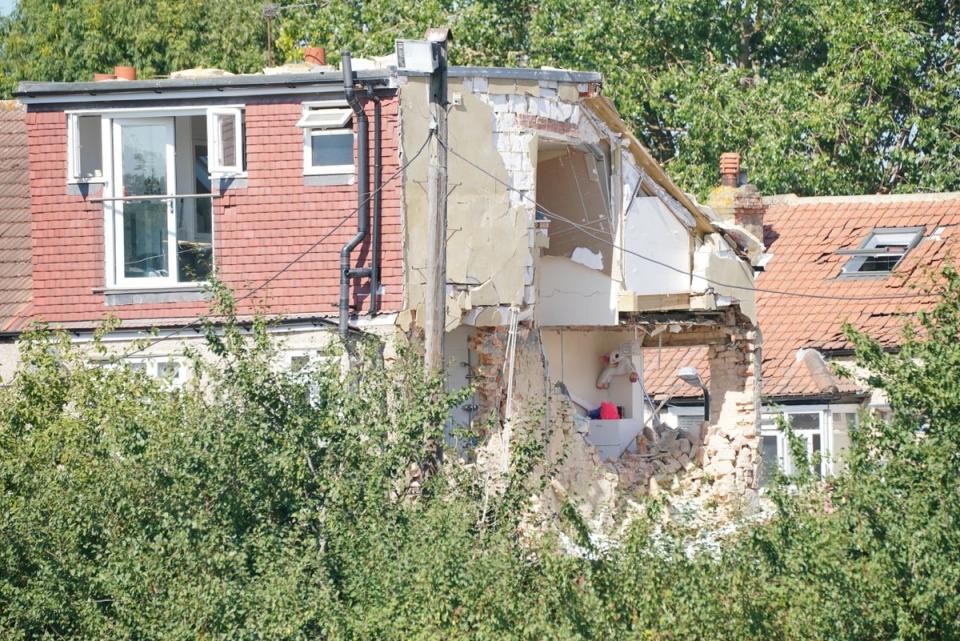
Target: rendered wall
{"points": [[488, 251]]}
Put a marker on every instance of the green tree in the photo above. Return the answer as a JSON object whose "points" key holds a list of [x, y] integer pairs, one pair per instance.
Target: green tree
{"points": [[256, 503]]}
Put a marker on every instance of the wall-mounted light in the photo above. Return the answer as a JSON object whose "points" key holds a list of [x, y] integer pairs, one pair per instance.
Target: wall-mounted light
{"points": [[691, 376]]}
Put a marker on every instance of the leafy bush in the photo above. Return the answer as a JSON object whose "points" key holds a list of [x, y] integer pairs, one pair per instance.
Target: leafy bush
{"points": [[259, 504]]}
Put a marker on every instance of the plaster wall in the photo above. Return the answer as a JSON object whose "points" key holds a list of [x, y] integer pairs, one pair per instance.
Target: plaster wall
{"points": [[729, 276], [651, 230], [573, 294]]}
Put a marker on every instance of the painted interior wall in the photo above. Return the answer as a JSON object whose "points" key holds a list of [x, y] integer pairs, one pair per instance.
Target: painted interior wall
{"points": [[573, 358], [571, 294], [651, 230], [571, 183], [716, 261]]}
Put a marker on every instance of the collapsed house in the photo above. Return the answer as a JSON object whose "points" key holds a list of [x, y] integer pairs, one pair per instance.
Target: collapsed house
{"points": [[569, 249]]}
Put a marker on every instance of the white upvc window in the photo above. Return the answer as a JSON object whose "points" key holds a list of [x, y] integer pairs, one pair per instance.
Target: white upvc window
{"points": [[167, 368], [812, 425], [84, 148], [225, 134], [328, 138]]}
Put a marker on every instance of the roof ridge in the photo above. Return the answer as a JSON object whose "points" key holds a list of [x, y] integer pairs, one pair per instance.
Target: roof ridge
{"points": [[793, 199]]}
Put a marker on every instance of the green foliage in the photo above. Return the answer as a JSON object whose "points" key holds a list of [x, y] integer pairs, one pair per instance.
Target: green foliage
{"points": [[260, 504], [819, 96]]}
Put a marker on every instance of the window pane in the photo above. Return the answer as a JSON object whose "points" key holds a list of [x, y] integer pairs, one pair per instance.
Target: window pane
{"points": [[144, 159], [144, 173], [809, 421], [145, 239], [89, 158], [816, 450], [227, 129], [328, 150], [169, 369], [880, 263], [769, 459]]}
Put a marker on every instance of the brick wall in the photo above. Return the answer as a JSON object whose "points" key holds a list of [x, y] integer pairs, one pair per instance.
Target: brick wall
{"points": [[258, 228]]}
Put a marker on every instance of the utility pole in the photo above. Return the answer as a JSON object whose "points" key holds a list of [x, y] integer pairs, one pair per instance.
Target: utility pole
{"points": [[436, 294]]}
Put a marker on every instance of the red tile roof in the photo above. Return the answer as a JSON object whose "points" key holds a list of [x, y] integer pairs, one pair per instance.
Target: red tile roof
{"points": [[804, 235], [15, 244]]}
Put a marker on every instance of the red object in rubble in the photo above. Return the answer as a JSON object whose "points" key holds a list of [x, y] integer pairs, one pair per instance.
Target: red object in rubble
{"points": [[608, 411]]}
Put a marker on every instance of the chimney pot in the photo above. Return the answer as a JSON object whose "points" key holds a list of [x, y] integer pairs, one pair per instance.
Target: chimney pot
{"points": [[730, 169], [315, 56], [125, 73]]}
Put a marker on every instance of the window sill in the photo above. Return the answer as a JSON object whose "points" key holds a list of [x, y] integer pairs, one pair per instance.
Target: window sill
{"points": [[152, 295], [326, 180]]}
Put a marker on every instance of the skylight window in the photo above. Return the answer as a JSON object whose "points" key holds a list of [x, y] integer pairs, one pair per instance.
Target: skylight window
{"points": [[881, 252]]}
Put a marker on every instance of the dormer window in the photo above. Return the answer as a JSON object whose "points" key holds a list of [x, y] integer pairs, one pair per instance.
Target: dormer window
{"points": [[881, 252]]}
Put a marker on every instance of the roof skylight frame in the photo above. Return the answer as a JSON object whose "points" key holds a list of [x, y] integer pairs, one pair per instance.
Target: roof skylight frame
{"points": [[880, 244]]}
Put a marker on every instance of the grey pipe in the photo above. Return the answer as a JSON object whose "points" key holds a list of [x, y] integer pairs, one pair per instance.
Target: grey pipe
{"points": [[363, 190]]}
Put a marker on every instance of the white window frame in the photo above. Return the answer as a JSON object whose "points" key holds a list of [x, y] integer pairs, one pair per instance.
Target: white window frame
{"points": [[906, 236], [73, 151], [116, 208], [214, 143], [824, 431], [151, 365], [108, 116], [335, 126]]}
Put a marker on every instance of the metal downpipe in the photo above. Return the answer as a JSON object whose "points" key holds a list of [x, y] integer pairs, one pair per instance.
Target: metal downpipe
{"points": [[363, 191]]}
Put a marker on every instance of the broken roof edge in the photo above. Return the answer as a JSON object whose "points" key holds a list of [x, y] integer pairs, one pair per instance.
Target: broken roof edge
{"points": [[793, 199], [605, 109]]}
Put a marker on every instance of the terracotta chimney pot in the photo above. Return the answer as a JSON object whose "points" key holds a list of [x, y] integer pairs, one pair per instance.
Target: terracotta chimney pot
{"points": [[315, 56], [125, 73], [729, 169]]}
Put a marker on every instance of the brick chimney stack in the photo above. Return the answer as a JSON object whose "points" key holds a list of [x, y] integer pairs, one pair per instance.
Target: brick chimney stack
{"points": [[735, 199]]}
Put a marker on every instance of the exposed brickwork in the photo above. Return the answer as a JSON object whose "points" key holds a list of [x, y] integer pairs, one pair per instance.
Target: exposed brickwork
{"points": [[257, 229], [546, 124], [731, 454]]}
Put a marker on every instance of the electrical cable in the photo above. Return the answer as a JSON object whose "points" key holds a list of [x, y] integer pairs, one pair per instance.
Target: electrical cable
{"points": [[292, 262], [585, 230]]}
